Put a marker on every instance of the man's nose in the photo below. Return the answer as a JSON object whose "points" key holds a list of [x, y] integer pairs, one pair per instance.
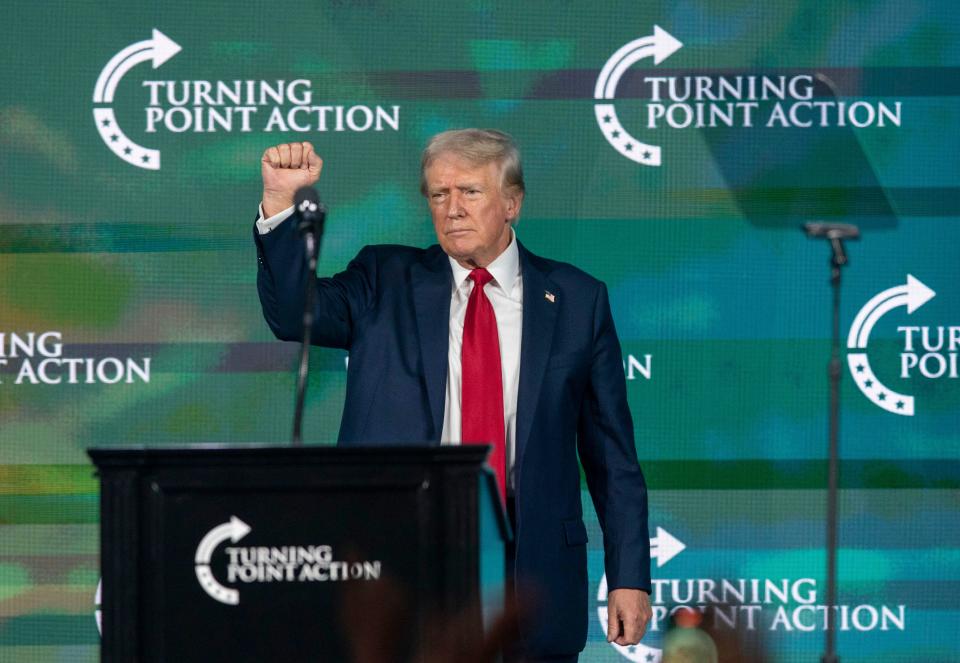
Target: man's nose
{"points": [[455, 209]]}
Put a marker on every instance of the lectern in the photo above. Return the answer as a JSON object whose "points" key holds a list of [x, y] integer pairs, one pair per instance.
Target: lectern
{"points": [[233, 554]]}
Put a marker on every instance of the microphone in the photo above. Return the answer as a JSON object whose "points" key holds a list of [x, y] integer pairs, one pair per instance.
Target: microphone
{"points": [[831, 230], [836, 233], [310, 212]]}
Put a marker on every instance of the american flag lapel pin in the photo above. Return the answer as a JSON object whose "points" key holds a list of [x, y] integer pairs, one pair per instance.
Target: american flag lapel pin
{"points": [[550, 297]]}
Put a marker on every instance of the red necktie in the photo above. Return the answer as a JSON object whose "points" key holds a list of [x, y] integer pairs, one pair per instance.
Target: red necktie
{"points": [[482, 391]]}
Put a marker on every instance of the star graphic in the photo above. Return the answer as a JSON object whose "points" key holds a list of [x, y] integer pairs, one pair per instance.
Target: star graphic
{"points": [[859, 368], [628, 147], [145, 158], [631, 649], [868, 384], [607, 118], [647, 155], [900, 405], [651, 657], [127, 150], [882, 396], [114, 138], [105, 122], [616, 134]]}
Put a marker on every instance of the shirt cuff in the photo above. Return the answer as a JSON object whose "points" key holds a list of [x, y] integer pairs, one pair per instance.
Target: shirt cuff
{"points": [[266, 225]]}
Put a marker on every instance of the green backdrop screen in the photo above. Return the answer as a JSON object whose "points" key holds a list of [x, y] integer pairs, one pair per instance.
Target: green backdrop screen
{"points": [[672, 149]]}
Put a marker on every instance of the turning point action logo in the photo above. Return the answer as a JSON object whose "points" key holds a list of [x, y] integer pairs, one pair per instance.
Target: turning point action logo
{"points": [[715, 100], [271, 564], [158, 50], [660, 45], [38, 358], [219, 106], [929, 351], [785, 605]]}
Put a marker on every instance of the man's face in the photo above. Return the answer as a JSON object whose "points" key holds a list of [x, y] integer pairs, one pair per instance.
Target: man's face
{"points": [[470, 215]]}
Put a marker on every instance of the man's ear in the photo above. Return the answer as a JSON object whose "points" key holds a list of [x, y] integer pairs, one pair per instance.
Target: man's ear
{"points": [[514, 202]]}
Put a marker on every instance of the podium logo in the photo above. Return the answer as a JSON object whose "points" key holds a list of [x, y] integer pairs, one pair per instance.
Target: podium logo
{"points": [[234, 530], [219, 106], [786, 605], [270, 564], [930, 352], [712, 100]]}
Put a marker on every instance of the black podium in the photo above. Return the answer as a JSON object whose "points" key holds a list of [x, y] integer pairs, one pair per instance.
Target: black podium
{"points": [[261, 553]]}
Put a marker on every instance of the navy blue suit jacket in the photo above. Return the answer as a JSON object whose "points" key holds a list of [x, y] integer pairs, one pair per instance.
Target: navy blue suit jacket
{"points": [[390, 309]]}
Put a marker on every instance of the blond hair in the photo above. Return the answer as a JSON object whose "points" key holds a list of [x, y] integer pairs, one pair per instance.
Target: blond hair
{"points": [[479, 147]]}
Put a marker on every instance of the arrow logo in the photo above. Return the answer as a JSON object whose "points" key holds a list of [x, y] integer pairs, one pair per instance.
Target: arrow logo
{"points": [[158, 49], [913, 294], [664, 547], [660, 45], [234, 530]]}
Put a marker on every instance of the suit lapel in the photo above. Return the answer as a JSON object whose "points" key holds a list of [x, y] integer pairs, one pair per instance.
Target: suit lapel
{"points": [[431, 282], [539, 319]]}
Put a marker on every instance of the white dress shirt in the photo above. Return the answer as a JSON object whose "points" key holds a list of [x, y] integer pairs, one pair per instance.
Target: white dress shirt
{"points": [[505, 293]]}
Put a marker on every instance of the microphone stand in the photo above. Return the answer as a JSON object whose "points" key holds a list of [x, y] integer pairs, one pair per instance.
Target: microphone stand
{"points": [[310, 218], [835, 233], [310, 250]]}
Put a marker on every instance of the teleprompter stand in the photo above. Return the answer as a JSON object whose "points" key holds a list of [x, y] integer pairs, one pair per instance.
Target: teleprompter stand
{"points": [[836, 234], [293, 554]]}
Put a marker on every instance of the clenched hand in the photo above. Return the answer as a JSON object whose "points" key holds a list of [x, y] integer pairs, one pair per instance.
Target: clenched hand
{"points": [[285, 168]]}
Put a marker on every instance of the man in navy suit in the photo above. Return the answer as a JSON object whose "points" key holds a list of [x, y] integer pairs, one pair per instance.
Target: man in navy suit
{"points": [[446, 341]]}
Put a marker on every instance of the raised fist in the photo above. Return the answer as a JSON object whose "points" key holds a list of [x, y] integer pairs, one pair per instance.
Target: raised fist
{"points": [[285, 168]]}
